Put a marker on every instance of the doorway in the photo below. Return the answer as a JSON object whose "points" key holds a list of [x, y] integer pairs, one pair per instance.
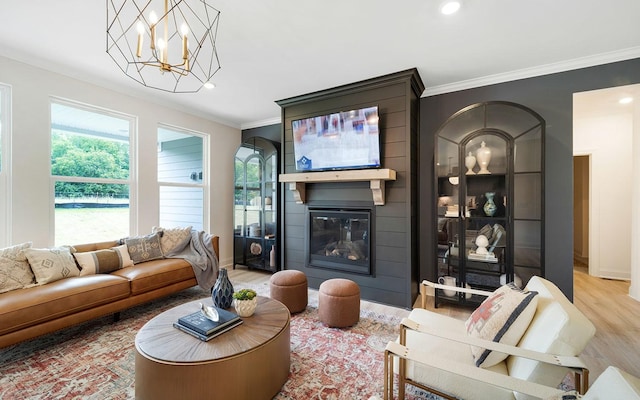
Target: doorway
{"points": [[605, 145]]}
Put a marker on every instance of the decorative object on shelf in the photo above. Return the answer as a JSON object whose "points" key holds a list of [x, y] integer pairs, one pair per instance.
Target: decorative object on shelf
{"points": [[470, 162], [222, 290], [255, 248], [164, 45], [254, 230], [467, 295], [453, 173], [449, 281], [272, 256], [245, 302], [489, 206], [483, 155], [482, 242], [516, 280]]}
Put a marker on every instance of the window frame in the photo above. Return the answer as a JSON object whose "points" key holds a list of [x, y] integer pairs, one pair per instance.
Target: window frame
{"points": [[132, 179], [5, 165], [204, 184]]}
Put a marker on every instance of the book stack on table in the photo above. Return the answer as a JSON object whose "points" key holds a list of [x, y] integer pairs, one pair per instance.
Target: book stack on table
{"points": [[198, 325]]}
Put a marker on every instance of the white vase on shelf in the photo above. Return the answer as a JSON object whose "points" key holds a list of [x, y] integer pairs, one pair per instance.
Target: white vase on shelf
{"points": [[470, 162], [483, 155]]}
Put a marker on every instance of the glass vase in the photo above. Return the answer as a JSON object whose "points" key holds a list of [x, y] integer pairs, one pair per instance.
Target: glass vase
{"points": [[222, 293], [490, 207]]}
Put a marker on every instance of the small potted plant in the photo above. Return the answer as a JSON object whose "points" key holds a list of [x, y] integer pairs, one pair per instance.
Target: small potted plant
{"points": [[245, 302]]}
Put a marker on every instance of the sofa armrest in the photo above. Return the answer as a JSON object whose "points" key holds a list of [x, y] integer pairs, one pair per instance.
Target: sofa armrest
{"points": [[215, 241]]}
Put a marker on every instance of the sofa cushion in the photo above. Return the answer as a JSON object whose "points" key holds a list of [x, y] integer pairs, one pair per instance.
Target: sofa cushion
{"points": [[50, 265], [503, 317], [20, 309], [103, 261], [15, 272], [173, 240], [558, 327], [155, 274], [144, 248]]}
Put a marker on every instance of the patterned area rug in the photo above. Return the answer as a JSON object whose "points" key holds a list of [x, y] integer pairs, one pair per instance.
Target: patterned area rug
{"points": [[95, 360]]}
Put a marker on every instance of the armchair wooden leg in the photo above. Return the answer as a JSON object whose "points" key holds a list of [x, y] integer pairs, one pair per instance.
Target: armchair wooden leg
{"points": [[582, 380], [388, 375]]}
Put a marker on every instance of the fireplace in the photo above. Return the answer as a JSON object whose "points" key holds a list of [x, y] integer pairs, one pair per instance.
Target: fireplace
{"points": [[340, 240]]}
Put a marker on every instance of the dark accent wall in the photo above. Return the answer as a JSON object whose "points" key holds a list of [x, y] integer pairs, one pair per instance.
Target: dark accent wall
{"points": [[552, 97], [395, 276], [270, 132]]}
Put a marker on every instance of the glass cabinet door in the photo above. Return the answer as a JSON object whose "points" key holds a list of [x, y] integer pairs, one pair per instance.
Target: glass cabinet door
{"points": [[255, 200], [490, 199]]}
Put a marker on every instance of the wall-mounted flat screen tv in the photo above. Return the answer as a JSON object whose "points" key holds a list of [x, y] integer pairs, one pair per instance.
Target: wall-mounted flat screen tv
{"points": [[342, 140]]}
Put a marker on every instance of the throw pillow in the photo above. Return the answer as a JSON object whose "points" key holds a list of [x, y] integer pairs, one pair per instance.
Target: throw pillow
{"points": [[144, 248], [103, 261], [173, 240], [52, 264], [15, 272], [503, 317]]}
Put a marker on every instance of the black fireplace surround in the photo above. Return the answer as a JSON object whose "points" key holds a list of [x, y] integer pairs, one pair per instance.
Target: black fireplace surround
{"points": [[339, 239]]}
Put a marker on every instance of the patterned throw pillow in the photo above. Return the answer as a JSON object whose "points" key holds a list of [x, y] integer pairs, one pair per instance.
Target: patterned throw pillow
{"points": [[144, 248], [173, 240], [15, 272], [52, 264], [103, 261], [503, 317]]}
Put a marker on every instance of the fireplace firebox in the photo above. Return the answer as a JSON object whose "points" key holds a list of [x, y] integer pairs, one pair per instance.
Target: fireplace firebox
{"points": [[340, 240]]}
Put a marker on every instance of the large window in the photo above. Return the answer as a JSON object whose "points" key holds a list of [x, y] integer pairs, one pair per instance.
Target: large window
{"points": [[182, 177], [5, 179], [91, 173]]}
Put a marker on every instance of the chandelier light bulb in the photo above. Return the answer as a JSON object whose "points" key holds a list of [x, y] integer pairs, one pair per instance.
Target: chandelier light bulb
{"points": [[140, 29], [153, 18], [209, 85], [184, 29]]}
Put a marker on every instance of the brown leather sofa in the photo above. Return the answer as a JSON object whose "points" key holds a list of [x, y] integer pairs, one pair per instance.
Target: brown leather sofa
{"points": [[31, 312]]}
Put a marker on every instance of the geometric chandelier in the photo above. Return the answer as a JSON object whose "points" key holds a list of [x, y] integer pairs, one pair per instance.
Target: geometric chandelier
{"points": [[168, 45]]}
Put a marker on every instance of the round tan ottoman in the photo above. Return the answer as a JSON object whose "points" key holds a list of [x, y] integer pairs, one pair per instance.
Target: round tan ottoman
{"points": [[290, 288], [339, 302]]}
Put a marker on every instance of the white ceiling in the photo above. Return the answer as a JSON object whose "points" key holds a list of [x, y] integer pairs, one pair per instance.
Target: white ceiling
{"points": [[275, 49]]}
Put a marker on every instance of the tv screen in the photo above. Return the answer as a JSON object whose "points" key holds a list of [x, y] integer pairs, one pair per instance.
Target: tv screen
{"points": [[343, 140]]}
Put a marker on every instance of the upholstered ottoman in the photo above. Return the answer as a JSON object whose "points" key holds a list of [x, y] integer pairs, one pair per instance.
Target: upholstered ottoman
{"points": [[290, 288], [339, 302]]}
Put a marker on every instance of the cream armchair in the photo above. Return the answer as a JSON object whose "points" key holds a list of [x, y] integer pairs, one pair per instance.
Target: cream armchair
{"points": [[433, 352]]}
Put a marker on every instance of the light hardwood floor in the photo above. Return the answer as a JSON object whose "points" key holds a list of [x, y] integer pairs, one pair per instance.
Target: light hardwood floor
{"points": [[605, 302]]}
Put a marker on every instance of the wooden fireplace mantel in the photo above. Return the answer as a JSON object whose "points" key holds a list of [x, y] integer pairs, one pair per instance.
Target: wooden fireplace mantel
{"points": [[376, 177]]}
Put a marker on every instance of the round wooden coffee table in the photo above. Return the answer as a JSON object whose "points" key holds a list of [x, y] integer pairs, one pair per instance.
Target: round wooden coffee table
{"points": [[251, 361]]}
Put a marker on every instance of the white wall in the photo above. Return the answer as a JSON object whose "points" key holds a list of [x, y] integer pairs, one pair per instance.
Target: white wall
{"points": [[608, 139], [31, 192]]}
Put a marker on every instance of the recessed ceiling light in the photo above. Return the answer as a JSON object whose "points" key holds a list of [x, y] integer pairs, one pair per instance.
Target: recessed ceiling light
{"points": [[450, 7], [625, 100], [209, 85]]}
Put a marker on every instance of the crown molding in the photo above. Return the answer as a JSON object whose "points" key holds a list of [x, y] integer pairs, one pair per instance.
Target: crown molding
{"points": [[264, 122], [577, 63]]}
